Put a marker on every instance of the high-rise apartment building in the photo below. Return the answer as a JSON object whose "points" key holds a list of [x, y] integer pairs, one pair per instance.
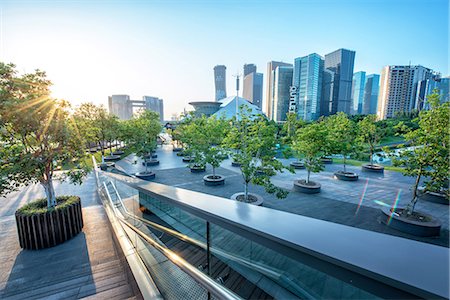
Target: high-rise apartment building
{"points": [[371, 94], [253, 88], [399, 90], [154, 104], [249, 68], [281, 96], [220, 81], [307, 80], [120, 106], [271, 66], [340, 62], [358, 89]]}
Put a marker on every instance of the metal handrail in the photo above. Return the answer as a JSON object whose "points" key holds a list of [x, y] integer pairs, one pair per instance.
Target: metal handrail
{"points": [[205, 281]]}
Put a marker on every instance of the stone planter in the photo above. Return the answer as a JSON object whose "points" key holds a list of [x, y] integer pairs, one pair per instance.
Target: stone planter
{"points": [[93, 150], [106, 165], [177, 149], [150, 156], [150, 162], [112, 158], [212, 180], [372, 168], [145, 175], [254, 199], [181, 153], [310, 188], [48, 229], [119, 152], [297, 165], [435, 197], [346, 176], [235, 164], [187, 159], [327, 160], [197, 169], [420, 225]]}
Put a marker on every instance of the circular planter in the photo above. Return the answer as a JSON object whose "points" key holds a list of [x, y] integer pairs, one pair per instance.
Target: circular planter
{"points": [[440, 198], [145, 175], [48, 229], [297, 165], [112, 158], [106, 165], [310, 188], [212, 180], [346, 176], [151, 162], [150, 156], [181, 153], [187, 159], [253, 199], [420, 225], [197, 169], [177, 149], [93, 150], [119, 152], [372, 168], [327, 160], [235, 164]]}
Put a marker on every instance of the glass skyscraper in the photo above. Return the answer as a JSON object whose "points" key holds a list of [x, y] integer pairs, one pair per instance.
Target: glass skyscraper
{"points": [[358, 88], [282, 82], [269, 106], [307, 78], [220, 83], [371, 94]]}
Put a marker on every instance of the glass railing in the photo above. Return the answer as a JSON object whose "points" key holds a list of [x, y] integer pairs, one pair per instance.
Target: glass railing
{"points": [[236, 246]]}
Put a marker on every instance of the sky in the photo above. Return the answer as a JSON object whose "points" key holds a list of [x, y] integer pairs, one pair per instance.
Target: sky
{"points": [[93, 49]]}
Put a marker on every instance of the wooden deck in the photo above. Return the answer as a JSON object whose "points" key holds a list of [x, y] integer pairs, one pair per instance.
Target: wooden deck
{"points": [[90, 265]]}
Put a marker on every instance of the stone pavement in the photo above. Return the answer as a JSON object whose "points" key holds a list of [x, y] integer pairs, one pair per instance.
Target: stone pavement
{"points": [[89, 265]]}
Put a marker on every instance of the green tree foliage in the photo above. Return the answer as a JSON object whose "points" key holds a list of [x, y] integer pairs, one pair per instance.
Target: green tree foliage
{"points": [[342, 134], [141, 133], [428, 155], [370, 133], [254, 139], [37, 133], [312, 144]]}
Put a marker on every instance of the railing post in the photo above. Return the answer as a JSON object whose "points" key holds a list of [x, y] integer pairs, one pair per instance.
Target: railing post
{"points": [[208, 253]]}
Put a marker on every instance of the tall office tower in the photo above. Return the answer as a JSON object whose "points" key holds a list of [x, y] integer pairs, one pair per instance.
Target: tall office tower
{"points": [[220, 81], [253, 88], [399, 89], [340, 62], [249, 68], [428, 86], [371, 94], [358, 89], [282, 83], [327, 92], [154, 104], [120, 106], [271, 66], [307, 80]]}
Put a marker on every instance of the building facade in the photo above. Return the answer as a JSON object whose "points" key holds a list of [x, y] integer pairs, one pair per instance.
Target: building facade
{"points": [[307, 83], [220, 74], [358, 89], [154, 104], [282, 82], [400, 90], [120, 106], [249, 68], [253, 88], [341, 63], [270, 83], [371, 94], [428, 86]]}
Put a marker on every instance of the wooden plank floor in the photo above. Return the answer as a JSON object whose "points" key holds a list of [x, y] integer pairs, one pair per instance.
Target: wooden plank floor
{"points": [[89, 265]]}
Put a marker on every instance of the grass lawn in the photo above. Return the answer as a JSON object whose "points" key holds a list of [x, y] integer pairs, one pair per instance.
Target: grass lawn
{"points": [[98, 158], [392, 139], [354, 162]]}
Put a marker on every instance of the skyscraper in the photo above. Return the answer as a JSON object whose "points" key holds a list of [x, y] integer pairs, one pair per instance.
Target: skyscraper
{"points": [[340, 62], [307, 79], [253, 85], [399, 89], [249, 68], [282, 82], [428, 86], [358, 89], [220, 81], [271, 66], [371, 94], [154, 104], [120, 106]]}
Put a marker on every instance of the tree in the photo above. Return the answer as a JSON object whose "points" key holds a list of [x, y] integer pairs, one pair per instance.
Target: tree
{"points": [[254, 138], [141, 132], [290, 127], [37, 133], [311, 143], [428, 155], [342, 134], [370, 133]]}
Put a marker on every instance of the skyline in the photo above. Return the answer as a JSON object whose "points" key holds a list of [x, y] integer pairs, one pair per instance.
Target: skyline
{"points": [[169, 49]]}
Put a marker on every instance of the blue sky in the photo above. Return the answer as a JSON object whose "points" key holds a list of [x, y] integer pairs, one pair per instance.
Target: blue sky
{"points": [[92, 49]]}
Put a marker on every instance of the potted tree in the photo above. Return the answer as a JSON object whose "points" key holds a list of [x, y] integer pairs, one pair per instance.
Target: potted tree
{"points": [[112, 132], [310, 142], [427, 157], [254, 138], [143, 130], [370, 134], [37, 134], [342, 134], [289, 129]]}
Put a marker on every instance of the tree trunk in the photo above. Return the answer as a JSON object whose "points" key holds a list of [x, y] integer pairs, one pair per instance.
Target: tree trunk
{"points": [[246, 191], [307, 177], [371, 158], [214, 172], [102, 152], [345, 170], [410, 207], [49, 192]]}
